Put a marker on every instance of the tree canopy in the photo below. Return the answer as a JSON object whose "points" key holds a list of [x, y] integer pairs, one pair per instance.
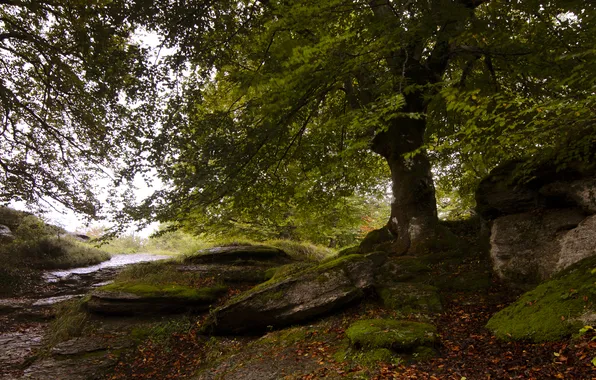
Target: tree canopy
{"points": [[275, 108], [70, 76], [302, 101]]}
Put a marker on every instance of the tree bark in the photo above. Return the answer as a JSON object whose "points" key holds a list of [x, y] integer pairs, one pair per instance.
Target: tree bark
{"points": [[413, 217]]}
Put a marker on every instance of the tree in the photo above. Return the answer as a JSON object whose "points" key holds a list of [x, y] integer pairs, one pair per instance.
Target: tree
{"points": [[69, 77], [287, 100]]}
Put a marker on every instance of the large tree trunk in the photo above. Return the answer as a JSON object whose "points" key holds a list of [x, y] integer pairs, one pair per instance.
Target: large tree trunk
{"points": [[413, 218]]}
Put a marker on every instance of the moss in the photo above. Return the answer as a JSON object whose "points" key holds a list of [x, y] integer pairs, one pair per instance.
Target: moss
{"points": [[269, 274], [337, 262], [174, 291], [550, 312], [390, 334], [423, 353], [284, 338], [349, 251], [411, 298]]}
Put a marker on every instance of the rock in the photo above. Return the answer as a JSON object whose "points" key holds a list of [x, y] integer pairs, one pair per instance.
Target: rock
{"points": [[229, 273], [16, 347], [411, 298], [349, 251], [300, 297], [80, 237], [581, 193], [6, 235], [577, 244], [91, 367], [239, 255], [399, 336], [526, 248], [552, 311], [140, 299], [11, 305], [377, 240], [499, 194], [88, 344], [539, 227]]}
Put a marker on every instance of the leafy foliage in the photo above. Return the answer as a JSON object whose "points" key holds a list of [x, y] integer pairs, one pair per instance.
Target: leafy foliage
{"points": [[281, 104], [69, 74]]}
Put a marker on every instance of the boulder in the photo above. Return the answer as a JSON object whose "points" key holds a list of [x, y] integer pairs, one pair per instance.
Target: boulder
{"points": [[6, 235], [526, 247], [540, 226], [240, 255], [140, 299], [299, 297]]}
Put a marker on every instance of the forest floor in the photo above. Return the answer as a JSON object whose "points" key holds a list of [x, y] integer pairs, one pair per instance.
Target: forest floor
{"points": [[466, 350]]}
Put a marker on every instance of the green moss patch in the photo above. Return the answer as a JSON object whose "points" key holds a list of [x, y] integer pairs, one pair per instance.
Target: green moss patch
{"points": [[411, 297], [168, 291], [401, 336], [552, 310]]}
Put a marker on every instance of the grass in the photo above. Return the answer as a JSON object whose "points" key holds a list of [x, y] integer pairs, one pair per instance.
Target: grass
{"points": [[21, 262], [71, 321]]}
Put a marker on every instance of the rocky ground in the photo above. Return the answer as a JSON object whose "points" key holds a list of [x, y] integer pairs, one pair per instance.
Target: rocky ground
{"points": [[358, 317]]}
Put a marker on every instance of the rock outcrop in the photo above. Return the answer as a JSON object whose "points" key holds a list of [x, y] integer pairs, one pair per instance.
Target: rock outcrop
{"points": [[541, 226], [299, 297], [241, 254], [6, 235], [118, 299]]}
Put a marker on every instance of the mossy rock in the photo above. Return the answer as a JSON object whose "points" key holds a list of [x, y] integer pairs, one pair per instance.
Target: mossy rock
{"points": [[399, 336], [552, 311], [207, 294], [349, 251], [377, 240], [132, 298], [411, 298], [292, 299]]}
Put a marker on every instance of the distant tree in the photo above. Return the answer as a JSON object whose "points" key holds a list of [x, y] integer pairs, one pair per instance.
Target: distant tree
{"points": [[69, 74], [302, 101]]}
